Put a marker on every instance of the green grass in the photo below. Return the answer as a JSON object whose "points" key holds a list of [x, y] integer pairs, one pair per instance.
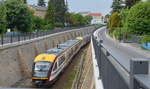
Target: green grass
{"points": [[70, 79]]}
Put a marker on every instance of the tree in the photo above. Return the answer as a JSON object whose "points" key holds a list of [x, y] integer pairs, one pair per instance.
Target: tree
{"points": [[19, 17], [25, 1], [130, 3], [88, 19], [38, 23], [57, 11], [2, 18], [117, 6], [138, 19], [41, 3], [114, 22], [50, 15]]}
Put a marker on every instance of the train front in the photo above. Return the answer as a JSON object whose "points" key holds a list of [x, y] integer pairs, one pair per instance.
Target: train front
{"points": [[41, 69]]}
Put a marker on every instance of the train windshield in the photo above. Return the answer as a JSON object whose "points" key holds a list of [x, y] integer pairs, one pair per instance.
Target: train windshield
{"points": [[41, 69]]}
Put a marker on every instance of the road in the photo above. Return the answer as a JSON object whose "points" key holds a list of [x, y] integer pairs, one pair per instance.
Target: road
{"points": [[122, 53]]}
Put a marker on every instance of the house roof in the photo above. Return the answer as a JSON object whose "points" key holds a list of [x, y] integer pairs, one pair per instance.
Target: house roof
{"points": [[40, 8], [95, 14]]}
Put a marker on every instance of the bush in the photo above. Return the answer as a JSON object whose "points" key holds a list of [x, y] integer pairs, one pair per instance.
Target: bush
{"points": [[2, 18], [117, 33], [38, 23], [138, 19], [145, 39], [114, 22], [58, 24], [48, 27]]}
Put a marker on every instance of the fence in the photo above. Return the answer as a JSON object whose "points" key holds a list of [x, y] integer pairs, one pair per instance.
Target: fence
{"points": [[115, 76], [17, 37]]}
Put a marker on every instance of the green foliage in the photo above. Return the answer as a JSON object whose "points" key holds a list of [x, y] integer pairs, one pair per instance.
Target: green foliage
{"points": [[38, 23], [116, 6], [48, 27], [77, 20], [57, 11], [18, 16], [25, 1], [41, 3], [138, 19], [117, 33], [114, 22], [88, 19], [145, 39], [130, 3], [2, 18], [58, 24]]}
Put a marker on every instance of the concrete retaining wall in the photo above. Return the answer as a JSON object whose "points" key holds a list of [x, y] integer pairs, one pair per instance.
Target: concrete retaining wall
{"points": [[16, 59]]}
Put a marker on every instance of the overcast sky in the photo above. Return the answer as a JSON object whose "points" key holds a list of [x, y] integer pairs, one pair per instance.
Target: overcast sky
{"points": [[100, 6]]}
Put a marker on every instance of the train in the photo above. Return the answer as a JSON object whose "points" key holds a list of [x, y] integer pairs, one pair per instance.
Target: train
{"points": [[47, 66]]}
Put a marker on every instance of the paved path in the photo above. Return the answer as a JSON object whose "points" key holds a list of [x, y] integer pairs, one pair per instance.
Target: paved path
{"points": [[123, 52]]}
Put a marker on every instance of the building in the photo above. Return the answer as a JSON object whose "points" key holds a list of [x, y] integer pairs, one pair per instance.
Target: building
{"points": [[84, 13], [39, 11], [97, 18]]}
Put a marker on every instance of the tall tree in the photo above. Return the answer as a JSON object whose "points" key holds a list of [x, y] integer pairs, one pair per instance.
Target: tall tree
{"points": [[41, 3], [130, 3], [50, 15], [25, 1], [57, 11], [117, 6]]}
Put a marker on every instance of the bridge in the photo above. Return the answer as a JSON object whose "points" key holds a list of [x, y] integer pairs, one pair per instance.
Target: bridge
{"points": [[114, 65]]}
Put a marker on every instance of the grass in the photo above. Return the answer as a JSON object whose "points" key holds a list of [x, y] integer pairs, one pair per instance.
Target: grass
{"points": [[70, 79]]}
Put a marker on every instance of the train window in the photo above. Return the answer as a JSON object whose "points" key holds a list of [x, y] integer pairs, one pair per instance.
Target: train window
{"points": [[61, 60], [55, 66]]}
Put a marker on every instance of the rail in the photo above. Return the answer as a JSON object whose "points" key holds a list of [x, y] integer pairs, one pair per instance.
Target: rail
{"points": [[11, 37]]}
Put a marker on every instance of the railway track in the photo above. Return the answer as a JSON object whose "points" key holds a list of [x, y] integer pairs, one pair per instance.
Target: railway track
{"points": [[65, 80]]}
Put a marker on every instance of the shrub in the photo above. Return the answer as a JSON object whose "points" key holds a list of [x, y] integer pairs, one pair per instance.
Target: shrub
{"points": [[138, 19], [2, 18], [114, 22], [145, 38], [38, 23], [48, 27], [58, 24]]}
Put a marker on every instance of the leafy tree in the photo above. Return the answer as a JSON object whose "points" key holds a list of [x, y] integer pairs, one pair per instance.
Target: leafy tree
{"points": [[60, 11], [38, 23], [116, 6], [41, 3], [25, 1], [130, 3], [50, 15], [57, 11], [18, 16], [88, 19], [138, 19], [114, 21], [2, 18], [77, 20]]}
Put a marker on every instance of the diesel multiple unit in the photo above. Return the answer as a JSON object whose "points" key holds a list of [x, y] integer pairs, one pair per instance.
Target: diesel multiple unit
{"points": [[48, 65]]}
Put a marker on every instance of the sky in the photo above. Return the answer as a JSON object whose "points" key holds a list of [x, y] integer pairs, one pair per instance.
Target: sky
{"points": [[98, 6]]}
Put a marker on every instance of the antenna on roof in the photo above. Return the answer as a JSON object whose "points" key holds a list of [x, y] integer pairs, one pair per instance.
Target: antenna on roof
{"points": [[58, 46]]}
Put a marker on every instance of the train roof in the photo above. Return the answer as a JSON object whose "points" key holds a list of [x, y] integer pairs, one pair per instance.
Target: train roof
{"points": [[61, 47]]}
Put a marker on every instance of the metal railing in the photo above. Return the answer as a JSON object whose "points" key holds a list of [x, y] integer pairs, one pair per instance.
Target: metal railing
{"points": [[17, 36], [115, 76]]}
